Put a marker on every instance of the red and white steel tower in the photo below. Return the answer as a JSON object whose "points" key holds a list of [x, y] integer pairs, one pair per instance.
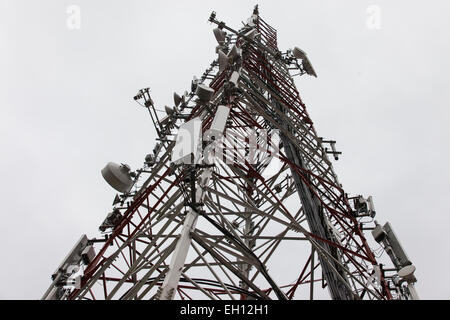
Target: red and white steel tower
{"points": [[238, 199]]}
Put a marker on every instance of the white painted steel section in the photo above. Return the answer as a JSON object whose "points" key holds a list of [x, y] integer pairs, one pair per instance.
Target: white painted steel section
{"points": [[167, 290]]}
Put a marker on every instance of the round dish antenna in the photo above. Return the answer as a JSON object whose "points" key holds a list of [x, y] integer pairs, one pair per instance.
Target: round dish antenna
{"points": [[118, 176]]}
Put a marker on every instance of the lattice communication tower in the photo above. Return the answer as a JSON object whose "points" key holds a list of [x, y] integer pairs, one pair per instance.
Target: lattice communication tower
{"points": [[238, 199]]}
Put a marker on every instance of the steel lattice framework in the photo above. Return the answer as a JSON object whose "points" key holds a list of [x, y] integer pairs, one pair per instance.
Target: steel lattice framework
{"points": [[233, 228]]}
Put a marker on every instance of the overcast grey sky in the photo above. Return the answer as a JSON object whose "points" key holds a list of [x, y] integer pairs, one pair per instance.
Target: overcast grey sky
{"points": [[66, 109]]}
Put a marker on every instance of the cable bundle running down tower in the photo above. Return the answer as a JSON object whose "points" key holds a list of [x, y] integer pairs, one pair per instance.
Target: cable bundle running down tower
{"points": [[238, 200]]}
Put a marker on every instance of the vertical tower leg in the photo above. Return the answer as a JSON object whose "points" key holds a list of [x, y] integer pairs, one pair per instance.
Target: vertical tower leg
{"points": [[167, 290], [314, 216]]}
